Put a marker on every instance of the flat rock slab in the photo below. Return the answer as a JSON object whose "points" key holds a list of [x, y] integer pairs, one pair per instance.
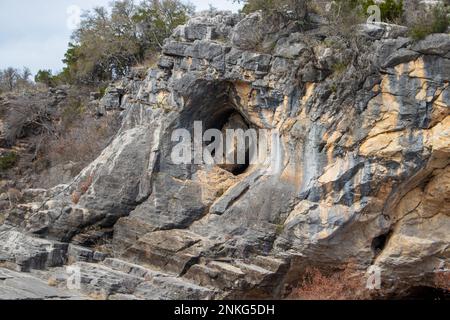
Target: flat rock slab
{"points": [[170, 251], [28, 253], [20, 286], [120, 280], [172, 288], [100, 281]]}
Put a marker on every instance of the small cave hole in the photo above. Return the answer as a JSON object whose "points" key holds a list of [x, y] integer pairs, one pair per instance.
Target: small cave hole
{"points": [[232, 120], [239, 169], [378, 243]]}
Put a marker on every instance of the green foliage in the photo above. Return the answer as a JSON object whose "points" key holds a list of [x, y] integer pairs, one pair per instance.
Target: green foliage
{"points": [[8, 161], [434, 21], [339, 68], [109, 42], [158, 19], [333, 87], [419, 32], [102, 90], [391, 10], [296, 7], [279, 229], [71, 58], [45, 77]]}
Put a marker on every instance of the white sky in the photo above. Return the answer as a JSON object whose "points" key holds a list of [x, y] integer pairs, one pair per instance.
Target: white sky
{"points": [[35, 33]]}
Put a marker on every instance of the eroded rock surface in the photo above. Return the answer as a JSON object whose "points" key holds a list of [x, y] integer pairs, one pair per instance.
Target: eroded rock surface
{"points": [[362, 174]]}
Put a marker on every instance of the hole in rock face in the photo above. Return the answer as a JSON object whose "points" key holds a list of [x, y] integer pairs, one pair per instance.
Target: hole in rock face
{"points": [[215, 105], [235, 122], [236, 150], [378, 243]]}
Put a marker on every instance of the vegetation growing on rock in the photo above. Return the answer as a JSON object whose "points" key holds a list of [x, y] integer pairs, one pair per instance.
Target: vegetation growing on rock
{"points": [[8, 161], [110, 41]]}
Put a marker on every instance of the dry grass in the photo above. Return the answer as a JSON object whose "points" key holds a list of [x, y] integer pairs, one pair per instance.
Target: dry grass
{"points": [[434, 20], [442, 280], [76, 196], [105, 245], [83, 141], [83, 188], [150, 61], [14, 195], [85, 185], [98, 296], [347, 284], [52, 282], [51, 142]]}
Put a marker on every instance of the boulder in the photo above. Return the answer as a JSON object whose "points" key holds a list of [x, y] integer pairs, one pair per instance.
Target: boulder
{"points": [[26, 252]]}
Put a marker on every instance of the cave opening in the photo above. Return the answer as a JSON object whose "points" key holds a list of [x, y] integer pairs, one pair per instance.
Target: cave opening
{"points": [[217, 106], [379, 243], [232, 120]]}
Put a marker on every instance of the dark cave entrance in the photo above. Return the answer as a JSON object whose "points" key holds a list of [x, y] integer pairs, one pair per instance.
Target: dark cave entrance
{"points": [[217, 109], [378, 243], [235, 121]]}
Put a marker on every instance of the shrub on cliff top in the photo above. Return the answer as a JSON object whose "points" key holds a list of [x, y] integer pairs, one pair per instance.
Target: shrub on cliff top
{"points": [[110, 41], [45, 77], [435, 20], [296, 8], [391, 10]]}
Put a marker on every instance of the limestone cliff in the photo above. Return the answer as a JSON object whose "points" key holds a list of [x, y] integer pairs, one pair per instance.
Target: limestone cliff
{"points": [[362, 173]]}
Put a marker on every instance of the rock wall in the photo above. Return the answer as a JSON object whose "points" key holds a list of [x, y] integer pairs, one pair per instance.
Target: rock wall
{"points": [[362, 172]]}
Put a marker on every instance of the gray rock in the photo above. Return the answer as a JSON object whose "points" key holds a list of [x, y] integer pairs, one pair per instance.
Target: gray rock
{"points": [[222, 204], [19, 286], [176, 49], [437, 44], [382, 30], [131, 269], [112, 99], [400, 56], [371, 30], [205, 50], [101, 281], [27, 253], [256, 61], [172, 252], [77, 253], [34, 195], [165, 62], [95, 96], [247, 34], [197, 32], [290, 47]]}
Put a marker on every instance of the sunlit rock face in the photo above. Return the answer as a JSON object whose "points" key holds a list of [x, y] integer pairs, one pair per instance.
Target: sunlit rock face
{"points": [[361, 173]]}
